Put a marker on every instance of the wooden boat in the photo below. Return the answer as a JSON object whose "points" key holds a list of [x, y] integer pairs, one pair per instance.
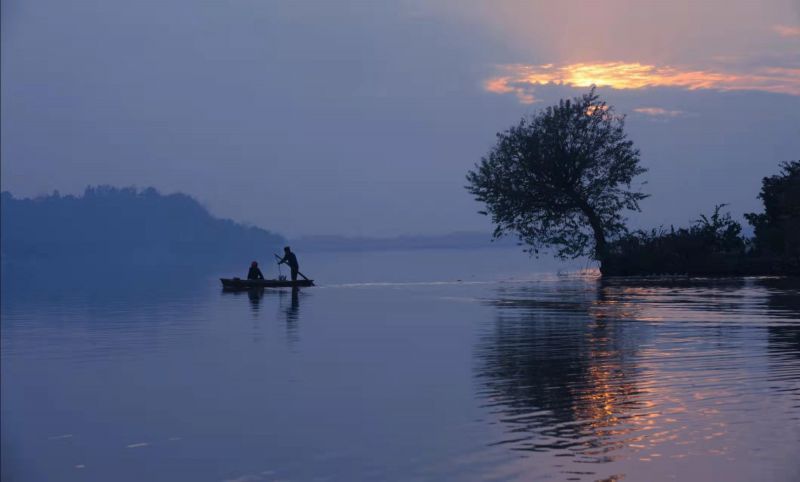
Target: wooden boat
{"points": [[246, 284]]}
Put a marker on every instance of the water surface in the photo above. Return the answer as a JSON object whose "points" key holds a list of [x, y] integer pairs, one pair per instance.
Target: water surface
{"points": [[430, 366]]}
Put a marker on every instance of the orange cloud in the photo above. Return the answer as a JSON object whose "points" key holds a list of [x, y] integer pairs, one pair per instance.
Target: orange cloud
{"points": [[787, 31], [505, 85], [521, 79]]}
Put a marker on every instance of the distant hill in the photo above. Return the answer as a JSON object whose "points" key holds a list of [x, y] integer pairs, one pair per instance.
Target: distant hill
{"points": [[125, 226], [457, 240]]}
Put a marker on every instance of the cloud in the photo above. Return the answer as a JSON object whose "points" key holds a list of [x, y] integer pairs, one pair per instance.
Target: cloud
{"points": [[787, 31], [507, 85], [659, 112], [521, 79]]}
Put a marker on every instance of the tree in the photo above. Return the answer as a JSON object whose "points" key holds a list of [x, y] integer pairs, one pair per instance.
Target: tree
{"points": [[561, 178], [777, 229], [719, 233]]}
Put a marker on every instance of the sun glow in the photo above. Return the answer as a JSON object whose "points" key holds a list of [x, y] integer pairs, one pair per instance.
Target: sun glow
{"points": [[521, 79]]}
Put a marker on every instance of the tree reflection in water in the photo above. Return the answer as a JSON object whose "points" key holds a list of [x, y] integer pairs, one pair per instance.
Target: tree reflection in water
{"points": [[605, 371], [555, 378], [783, 301]]}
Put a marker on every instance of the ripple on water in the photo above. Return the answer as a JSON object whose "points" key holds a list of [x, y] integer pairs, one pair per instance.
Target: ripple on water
{"points": [[631, 375]]}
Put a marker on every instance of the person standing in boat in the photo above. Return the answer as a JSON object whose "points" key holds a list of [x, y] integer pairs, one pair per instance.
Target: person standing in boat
{"points": [[254, 272], [290, 259]]}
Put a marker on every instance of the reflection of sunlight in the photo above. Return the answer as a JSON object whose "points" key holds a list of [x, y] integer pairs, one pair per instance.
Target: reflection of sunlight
{"points": [[640, 375], [520, 79]]}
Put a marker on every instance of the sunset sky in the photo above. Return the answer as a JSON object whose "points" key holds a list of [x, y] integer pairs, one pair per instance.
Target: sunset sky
{"points": [[362, 117]]}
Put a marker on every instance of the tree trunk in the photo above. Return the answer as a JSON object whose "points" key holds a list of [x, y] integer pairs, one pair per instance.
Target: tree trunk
{"points": [[600, 245]]}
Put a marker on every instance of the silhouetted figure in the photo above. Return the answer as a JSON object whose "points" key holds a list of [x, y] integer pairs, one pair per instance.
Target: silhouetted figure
{"points": [[290, 259], [254, 272]]}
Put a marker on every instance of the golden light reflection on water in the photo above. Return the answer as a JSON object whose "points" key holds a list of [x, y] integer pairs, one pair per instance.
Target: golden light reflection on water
{"points": [[636, 377], [521, 79]]}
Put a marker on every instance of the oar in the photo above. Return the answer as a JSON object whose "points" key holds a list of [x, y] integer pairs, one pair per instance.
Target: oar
{"points": [[298, 271]]}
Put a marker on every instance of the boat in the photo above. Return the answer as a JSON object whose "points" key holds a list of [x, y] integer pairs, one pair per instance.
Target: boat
{"points": [[246, 284]]}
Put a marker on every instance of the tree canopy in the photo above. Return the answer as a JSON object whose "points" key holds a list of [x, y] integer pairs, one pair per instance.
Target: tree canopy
{"points": [[561, 178], [777, 229]]}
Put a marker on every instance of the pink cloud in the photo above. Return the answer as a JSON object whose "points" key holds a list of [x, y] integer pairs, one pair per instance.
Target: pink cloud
{"points": [[659, 112], [787, 31]]}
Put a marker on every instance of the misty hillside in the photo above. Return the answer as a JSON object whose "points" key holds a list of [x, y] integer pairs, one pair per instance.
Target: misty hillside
{"points": [[125, 226], [457, 240]]}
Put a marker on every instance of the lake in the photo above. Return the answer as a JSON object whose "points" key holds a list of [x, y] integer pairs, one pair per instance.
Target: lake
{"points": [[476, 365]]}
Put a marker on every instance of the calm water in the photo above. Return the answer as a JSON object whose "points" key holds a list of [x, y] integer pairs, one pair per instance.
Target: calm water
{"points": [[394, 370]]}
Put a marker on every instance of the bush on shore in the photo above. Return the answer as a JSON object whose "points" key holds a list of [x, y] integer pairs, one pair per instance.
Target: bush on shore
{"points": [[714, 245]]}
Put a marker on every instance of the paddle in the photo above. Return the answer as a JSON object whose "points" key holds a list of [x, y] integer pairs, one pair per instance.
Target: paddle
{"points": [[298, 271]]}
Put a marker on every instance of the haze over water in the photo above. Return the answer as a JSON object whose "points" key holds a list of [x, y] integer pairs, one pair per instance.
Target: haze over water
{"points": [[424, 365]]}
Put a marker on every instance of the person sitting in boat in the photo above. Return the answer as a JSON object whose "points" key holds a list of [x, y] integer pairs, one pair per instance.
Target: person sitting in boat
{"points": [[290, 259], [254, 272]]}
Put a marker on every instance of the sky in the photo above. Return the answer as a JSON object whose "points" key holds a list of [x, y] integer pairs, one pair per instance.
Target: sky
{"points": [[362, 118]]}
